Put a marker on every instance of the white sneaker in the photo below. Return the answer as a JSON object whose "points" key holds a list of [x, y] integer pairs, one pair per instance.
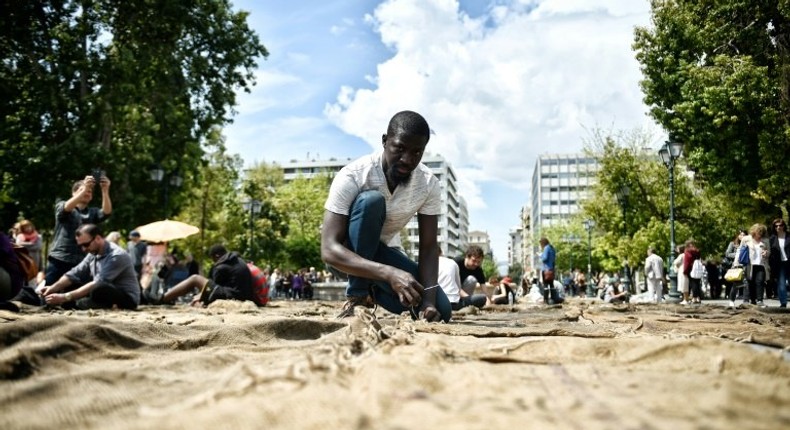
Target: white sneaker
{"points": [[732, 304], [684, 302]]}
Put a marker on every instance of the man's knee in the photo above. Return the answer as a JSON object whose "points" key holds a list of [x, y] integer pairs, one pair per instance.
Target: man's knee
{"points": [[369, 200], [370, 197]]}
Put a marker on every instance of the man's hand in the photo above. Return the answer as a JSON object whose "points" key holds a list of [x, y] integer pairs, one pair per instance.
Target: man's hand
{"points": [[87, 184], [430, 314], [104, 183], [407, 288], [55, 299]]}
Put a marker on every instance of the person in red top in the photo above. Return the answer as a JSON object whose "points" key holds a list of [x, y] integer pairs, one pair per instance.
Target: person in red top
{"points": [[692, 254]]}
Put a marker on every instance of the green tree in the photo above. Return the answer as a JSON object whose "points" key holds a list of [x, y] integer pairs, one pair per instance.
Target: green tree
{"points": [[489, 267], [700, 213], [210, 205], [302, 200], [264, 182], [717, 78], [117, 85]]}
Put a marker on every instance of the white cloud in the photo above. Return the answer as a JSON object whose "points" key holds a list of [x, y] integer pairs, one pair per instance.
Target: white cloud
{"points": [[499, 89], [265, 94]]}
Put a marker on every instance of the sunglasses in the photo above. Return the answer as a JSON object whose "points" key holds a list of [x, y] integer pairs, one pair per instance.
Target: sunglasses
{"points": [[86, 244]]}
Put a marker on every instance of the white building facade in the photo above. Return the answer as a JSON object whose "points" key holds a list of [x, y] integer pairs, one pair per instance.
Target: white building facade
{"points": [[559, 183]]}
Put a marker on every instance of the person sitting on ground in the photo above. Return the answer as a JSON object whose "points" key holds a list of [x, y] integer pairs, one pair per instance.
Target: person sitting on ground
{"points": [[501, 290], [31, 240], [104, 279], [370, 201], [450, 281], [613, 293], [229, 279], [470, 269]]}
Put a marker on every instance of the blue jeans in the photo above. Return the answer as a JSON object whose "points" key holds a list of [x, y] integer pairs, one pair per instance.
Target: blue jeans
{"points": [[781, 281], [364, 230]]}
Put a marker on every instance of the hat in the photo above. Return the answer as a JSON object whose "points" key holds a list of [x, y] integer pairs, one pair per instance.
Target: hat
{"points": [[134, 233]]}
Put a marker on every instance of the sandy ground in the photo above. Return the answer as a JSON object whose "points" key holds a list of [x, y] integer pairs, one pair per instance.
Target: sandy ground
{"points": [[291, 365]]}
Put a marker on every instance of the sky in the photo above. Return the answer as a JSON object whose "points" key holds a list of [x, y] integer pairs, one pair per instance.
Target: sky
{"points": [[499, 81]]}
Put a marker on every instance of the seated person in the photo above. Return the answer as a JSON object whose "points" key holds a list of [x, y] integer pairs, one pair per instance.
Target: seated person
{"points": [[229, 279], [450, 280], [613, 293], [501, 290], [104, 279]]}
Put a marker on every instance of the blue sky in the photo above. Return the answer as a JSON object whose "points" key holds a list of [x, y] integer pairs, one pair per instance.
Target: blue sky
{"points": [[499, 81]]}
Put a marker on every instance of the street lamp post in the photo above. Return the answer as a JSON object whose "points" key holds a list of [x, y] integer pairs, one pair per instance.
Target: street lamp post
{"points": [[669, 154], [622, 198], [253, 206], [159, 175], [588, 225]]}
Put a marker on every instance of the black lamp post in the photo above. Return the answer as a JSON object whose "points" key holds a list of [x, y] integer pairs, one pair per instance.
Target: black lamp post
{"points": [[669, 153], [588, 225], [158, 174], [622, 198], [253, 206]]}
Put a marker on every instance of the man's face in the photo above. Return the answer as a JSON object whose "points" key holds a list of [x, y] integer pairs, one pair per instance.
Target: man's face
{"points": [[402, 154], [472, 262], [87, 196], [88, 244]]}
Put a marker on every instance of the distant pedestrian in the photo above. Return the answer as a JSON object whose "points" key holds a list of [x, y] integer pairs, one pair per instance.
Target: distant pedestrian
{"points": [[654, 272]]}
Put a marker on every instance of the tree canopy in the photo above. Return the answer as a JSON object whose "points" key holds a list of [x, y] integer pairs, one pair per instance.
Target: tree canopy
{"points": [[118, 85], [717, 78]]}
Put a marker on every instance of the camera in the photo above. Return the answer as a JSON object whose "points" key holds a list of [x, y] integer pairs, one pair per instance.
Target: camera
{"points": [[97, 175]]}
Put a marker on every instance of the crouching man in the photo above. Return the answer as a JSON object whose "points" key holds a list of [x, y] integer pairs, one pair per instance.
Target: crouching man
{"points": [[370, 201], [104, 279]]}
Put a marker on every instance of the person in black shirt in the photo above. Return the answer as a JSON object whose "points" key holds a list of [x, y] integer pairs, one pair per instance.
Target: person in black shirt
{"points": [[229, 279], [470, 269]]}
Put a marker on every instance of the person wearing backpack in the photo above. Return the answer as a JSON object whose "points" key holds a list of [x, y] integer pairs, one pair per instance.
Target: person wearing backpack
{"points": [[692, 258]]}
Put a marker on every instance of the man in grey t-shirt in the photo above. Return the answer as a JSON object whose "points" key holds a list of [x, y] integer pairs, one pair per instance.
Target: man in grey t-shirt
{"points": [[69, 216], [370, 201]]}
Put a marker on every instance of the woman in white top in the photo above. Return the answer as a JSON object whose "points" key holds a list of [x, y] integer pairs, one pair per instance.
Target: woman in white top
{"points": [[759, 253], [683, 280]]}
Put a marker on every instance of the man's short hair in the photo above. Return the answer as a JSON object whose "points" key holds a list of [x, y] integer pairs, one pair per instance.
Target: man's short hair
{"points": [[76, 186], [217, 251], [409, 123], [91, 230], [474, 251]]}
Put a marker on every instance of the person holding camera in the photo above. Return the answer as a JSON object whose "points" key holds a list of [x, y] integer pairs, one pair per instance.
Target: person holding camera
{"points": [[70, 214]]}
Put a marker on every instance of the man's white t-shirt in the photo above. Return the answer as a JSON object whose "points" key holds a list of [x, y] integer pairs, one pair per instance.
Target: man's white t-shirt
{"points": [[421, 194], [449, 278]]}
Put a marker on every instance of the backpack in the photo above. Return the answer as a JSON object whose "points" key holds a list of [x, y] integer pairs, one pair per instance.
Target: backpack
{"points": [[697, 269], [743, 256], [260, 285]]}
